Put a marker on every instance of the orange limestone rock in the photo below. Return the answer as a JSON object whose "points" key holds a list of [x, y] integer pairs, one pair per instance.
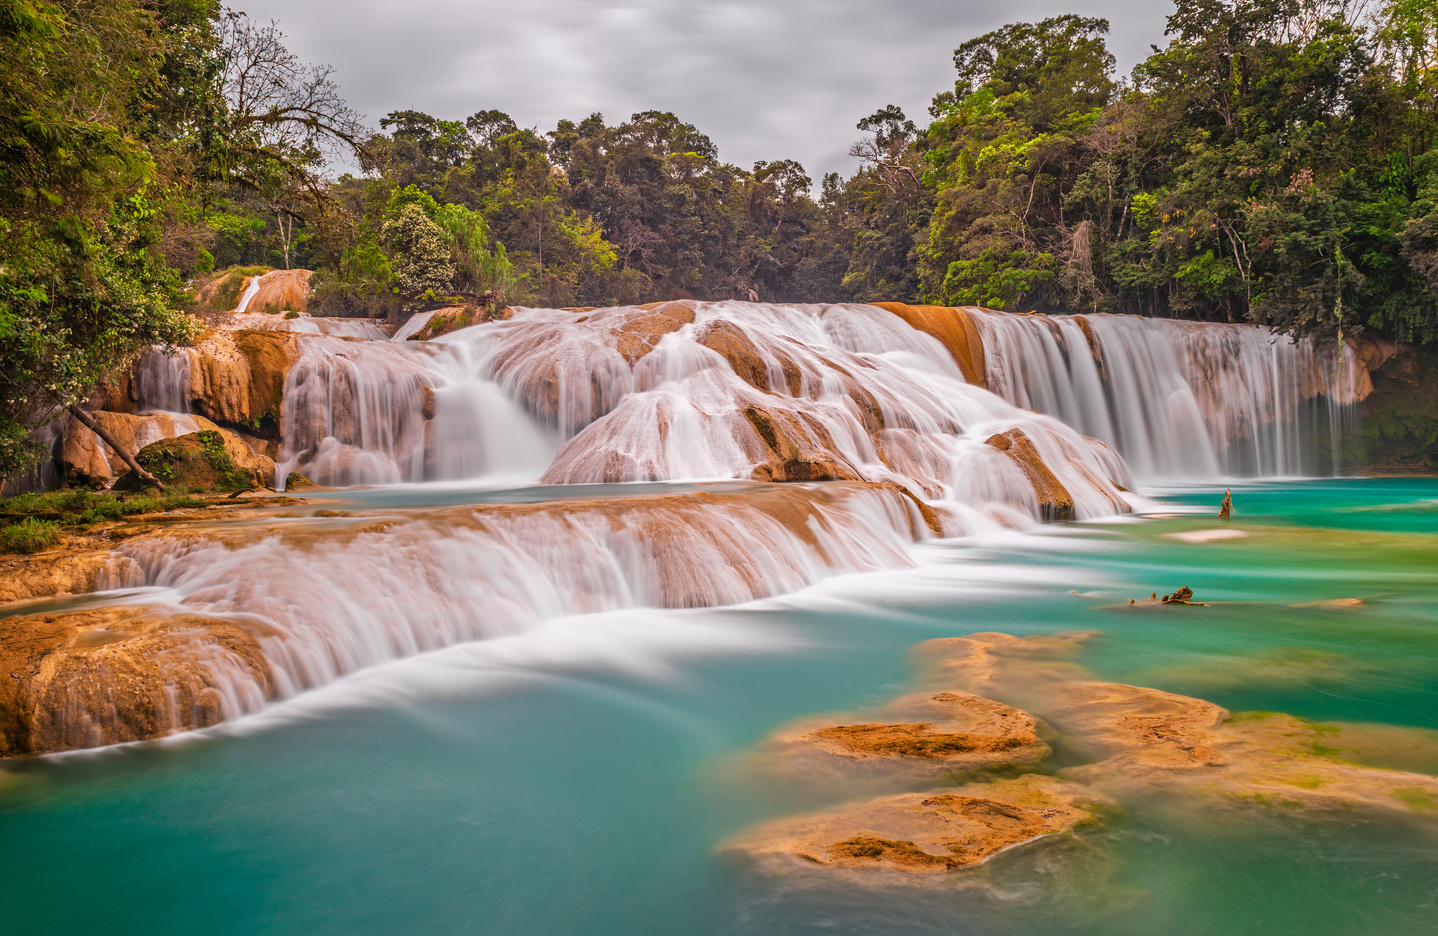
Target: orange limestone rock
{"points": [[920, 833], [1161, 742], [239, 376], [639, 335], [90, 678], [1055, 502], [927, 734], [954, 328], [281, 291]]}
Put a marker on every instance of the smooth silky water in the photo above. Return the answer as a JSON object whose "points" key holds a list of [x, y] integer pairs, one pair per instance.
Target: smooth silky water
{"points": [[577, 777]]}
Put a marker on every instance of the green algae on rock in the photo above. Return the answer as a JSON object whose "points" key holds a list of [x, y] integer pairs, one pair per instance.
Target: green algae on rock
{"points": [[210, 460]]}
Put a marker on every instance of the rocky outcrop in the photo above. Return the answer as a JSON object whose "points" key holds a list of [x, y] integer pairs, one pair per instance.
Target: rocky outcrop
{"points": [[85, 460], [930, 734], [238, 377], [1129, 741], [955, 330], [208, 461], [1055, 502], [89, 678], [281, 291]]}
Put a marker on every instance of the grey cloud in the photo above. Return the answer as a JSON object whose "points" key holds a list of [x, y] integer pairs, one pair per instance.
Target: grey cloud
{"points": [[775, 80]]}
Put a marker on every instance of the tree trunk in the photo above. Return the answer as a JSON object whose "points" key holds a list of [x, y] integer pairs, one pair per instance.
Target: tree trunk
{"points": [[89, 423]]}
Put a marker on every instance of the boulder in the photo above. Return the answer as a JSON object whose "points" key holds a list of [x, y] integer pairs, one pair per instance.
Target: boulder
{"points": [[85, 460], [88, 678], [1055, 502], [210, 460]]}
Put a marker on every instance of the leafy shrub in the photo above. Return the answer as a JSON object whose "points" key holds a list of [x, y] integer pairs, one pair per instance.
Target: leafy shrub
{"points": [[29, 536]]}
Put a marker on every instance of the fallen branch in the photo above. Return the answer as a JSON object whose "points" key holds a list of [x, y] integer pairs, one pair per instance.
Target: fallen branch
{"points": [[88, 422]]}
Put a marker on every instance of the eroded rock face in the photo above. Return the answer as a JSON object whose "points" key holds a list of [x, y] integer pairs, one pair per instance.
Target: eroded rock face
{"points": [[920, 833], [107, 676], [239, 376]]}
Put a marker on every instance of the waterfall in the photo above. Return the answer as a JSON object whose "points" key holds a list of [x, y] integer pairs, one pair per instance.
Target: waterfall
{"points": [[162, 382], [251, 289], [872, 401], [330, 596], [698, 391], [1180, 399]]}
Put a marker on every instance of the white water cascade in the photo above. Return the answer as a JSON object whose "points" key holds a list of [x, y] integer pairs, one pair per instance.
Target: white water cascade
{"points": [[852, 395], [162, 382], [627, 394], [1179, 399], [327, 597]]}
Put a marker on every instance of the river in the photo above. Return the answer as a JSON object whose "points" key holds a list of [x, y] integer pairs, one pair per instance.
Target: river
{"points": [[582, 775]]}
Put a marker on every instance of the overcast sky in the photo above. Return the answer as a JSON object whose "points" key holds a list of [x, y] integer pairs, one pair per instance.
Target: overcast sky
{"points": [[765, 79]]}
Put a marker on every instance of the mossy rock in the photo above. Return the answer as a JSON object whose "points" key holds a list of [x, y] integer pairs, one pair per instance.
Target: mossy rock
{"points": [[198, 462]]}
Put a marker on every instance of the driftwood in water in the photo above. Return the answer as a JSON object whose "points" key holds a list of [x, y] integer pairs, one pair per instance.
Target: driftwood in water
{"points": [[1226, 510], [1182, 597]]}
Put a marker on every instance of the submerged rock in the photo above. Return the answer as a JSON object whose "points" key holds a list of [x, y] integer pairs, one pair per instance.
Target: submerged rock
{"points": [[927, 734], [920, 833]]}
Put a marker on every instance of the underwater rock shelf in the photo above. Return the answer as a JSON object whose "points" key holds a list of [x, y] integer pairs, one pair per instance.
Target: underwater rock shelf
{"points": [[1135, 741]]}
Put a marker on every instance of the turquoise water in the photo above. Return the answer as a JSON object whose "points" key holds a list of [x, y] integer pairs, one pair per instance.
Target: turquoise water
{"points": [[517, 789]]}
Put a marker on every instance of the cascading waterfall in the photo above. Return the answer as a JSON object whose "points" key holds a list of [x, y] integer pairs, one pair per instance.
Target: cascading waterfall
{"points": [[333, 596], [1180, 399], [639, 395], [695, 392]]}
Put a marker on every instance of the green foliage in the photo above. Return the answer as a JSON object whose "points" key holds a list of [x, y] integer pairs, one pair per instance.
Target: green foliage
{"points": [[421, 259], [29, 536], [34, 522]]}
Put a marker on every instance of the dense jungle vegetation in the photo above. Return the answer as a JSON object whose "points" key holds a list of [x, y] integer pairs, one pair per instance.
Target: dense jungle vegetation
{"points": [[1274, 162]]}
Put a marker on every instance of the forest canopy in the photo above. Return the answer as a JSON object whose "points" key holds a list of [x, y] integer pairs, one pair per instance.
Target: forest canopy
{"points": [[1273, 163]]}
